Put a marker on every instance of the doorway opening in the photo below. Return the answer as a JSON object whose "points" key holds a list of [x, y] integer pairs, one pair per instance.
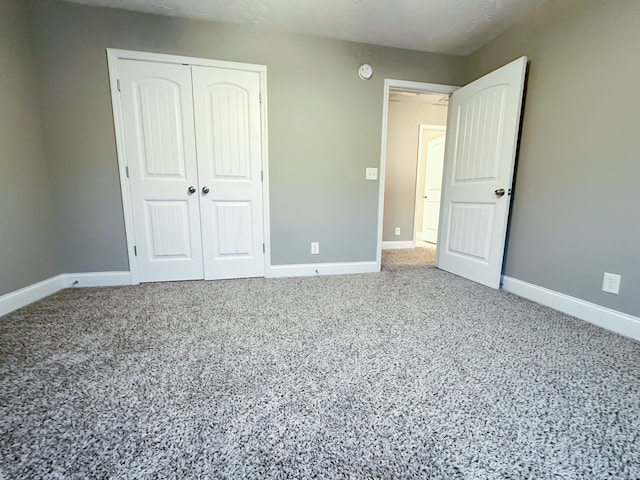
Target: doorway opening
{"points": [[482, 141], [414, 130]]}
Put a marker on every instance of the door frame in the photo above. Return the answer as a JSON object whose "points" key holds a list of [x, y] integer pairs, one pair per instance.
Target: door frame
{"points": [[406, 86], [423, 127], [113, 55]]}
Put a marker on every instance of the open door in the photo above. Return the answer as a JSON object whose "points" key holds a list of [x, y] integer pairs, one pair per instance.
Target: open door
{"points": [[482, 137], [432, 189]]}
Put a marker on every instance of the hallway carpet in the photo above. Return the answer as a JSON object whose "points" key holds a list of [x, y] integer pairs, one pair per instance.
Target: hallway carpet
{"points": [[410, 373]]}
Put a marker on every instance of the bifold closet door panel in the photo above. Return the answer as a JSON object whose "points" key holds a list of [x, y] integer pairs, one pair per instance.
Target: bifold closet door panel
{"points": [[159, 133], [228, 142]]}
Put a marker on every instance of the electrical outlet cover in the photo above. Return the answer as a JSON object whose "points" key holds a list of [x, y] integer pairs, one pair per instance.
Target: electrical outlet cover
{"points": [[371, 174], [611, 283]]}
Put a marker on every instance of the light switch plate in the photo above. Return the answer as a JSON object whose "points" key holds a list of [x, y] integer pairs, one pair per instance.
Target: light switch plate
{"points": [[371, 174]]}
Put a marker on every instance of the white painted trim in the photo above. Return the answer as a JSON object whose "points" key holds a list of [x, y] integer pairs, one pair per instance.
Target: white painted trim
{"points": [[398, 245], [313, 269], [181, 59], [266, 217], [113, 55], [112, 64], [19, 298], [609, 319], [98, 279], [403, 85]]}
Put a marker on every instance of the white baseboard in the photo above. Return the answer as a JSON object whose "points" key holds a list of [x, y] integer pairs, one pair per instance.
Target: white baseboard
{"points": [[618, 322], [398, 245], [19, 298], [98, 279], [312, 269], [32, 293]]}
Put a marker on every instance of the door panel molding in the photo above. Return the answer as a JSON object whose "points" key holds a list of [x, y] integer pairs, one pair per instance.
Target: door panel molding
{"points": [[226, 105], [480, 157], [420, 179], [159, 142], [433, 169], [113, 57]]}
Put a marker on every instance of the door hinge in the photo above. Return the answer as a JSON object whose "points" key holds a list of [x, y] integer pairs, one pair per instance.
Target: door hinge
{"points": [[262, 175], [118, 84], [264, 249], [126, 170], [260, 97], [135, 250]]}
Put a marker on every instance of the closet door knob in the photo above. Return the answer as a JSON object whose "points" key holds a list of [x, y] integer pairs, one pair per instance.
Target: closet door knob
{"points": [[499, 193], [191, 190], [205, 190]]}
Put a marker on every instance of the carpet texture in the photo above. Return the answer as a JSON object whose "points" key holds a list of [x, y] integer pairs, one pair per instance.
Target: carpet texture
{"points": [[410, 373]]}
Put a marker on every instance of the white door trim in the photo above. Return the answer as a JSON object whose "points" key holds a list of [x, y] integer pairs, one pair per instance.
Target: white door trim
{"points": [[404, 85], [423, 127], [113, 55]]}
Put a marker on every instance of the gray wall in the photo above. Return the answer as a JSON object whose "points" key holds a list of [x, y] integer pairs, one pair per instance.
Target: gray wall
{"points": [[28, 251], [403, 131], [577, 192], [324, 127]]}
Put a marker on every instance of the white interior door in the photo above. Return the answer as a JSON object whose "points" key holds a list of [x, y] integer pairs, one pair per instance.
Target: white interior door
{"points": [[482, 135], [227, 113], [432, 189], [159, 140]]}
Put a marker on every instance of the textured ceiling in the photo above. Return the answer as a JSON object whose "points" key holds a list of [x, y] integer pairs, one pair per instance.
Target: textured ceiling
{"points": [[456, 27]]}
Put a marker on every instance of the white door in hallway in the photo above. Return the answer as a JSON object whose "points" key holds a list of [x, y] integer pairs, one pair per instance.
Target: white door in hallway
{"points": [[432, 189], [159, 134], [193, 146], [484, 121], [227, 112]]}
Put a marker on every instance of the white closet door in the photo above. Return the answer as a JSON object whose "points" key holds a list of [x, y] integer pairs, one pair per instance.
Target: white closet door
{"points": [[228, 133], [157, 114], [432, 189], [482, 136]]}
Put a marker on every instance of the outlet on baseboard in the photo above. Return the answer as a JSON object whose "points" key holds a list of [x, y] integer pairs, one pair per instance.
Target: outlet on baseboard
{"points": [[315, 248], [397, 231], [611, 283]]}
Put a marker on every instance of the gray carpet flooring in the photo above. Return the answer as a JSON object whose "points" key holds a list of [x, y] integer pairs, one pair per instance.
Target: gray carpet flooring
{"points": [[410, 373]]}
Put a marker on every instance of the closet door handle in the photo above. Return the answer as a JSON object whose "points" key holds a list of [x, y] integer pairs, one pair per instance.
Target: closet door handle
{"points": [[191, 190], [205, 190]]}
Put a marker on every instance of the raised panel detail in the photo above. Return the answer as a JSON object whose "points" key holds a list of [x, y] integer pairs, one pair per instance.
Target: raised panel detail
{"points": [[470, 227], [233, 231], [168, 226], [480, 122], [228, 112], [159, 115]]}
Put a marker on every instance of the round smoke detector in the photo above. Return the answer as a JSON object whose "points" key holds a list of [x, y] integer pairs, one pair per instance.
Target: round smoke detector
{"points": [[365, 71]]}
